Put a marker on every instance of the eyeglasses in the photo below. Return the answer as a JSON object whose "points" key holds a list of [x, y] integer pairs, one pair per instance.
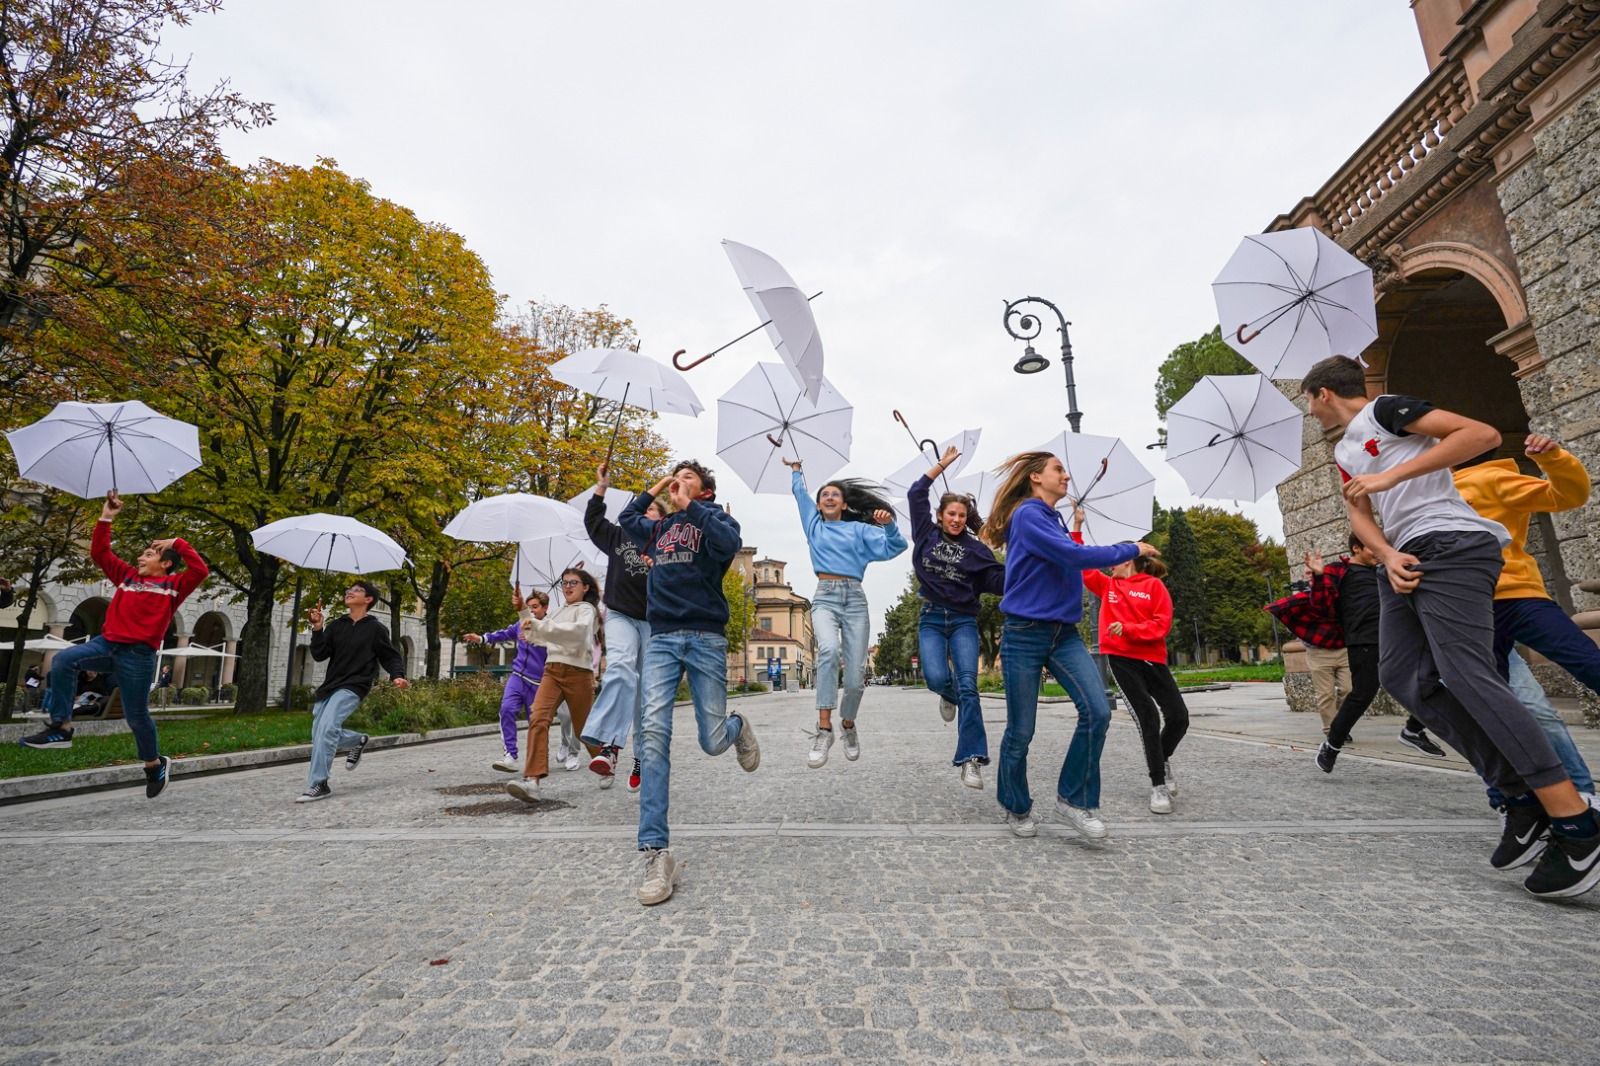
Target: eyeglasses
{"points": [[571, 584]]}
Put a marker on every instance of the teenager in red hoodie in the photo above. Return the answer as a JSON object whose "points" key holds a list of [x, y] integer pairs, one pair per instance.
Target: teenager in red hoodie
{"points": [[147, 596], [1135, 615]]}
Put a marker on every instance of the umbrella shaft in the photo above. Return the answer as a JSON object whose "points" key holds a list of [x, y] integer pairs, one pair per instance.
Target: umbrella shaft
{"points": [[748, 332]]}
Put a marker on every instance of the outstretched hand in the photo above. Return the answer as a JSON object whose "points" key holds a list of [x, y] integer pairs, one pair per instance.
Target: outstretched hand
{"points": [[793, 464], [315, 615], [1078, 519], [112, 507], [602, 477]]}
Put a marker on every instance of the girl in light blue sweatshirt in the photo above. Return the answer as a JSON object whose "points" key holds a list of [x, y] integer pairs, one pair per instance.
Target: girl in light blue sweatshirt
{"points": [[848, 526]]}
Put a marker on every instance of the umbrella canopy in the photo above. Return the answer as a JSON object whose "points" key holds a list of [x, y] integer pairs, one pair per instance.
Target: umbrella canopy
{"points": [[539, 562], [196, 651], [790, 324], [616, 499], [48, 642], [1233, 438], [1107, 480], [981, 486], [627, 377], [1289, 299], [899, 482], [89, 449], [766, 406], [515, 516], [329, 542]]}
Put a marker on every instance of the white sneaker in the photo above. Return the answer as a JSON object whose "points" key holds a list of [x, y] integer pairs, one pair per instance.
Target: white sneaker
{"points": [[661, 873], [745, 747], [508, 762], [1086, 822], [947, 710], [608, 780], [562, 751], [572, 762], [970, 775], [818, 756], [525, 789], [1022, 825], [1161, 800], [1172, 782], [852, 743]]}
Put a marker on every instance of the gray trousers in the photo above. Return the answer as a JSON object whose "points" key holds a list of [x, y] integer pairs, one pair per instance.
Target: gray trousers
{"points": [[1437, 660]]}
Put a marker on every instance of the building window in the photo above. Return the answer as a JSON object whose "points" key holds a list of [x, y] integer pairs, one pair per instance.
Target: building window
{"points": [[766, 623], [783, 653]]}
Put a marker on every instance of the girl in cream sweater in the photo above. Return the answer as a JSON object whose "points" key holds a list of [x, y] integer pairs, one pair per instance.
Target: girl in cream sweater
{"points": [[569, 634]]}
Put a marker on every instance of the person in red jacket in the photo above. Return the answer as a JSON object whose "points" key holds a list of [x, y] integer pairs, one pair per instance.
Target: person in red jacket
{"points": [[147, 595], [1135, 615]]}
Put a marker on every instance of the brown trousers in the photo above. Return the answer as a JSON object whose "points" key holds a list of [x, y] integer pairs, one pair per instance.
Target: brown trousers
{"points": [[561, 682]]}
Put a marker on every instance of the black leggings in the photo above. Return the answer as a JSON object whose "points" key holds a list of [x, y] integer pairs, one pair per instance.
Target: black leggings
{"points": [[1363, 690], [1153, 696]]}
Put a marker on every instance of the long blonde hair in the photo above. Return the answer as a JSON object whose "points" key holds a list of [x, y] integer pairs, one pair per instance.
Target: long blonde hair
{"points": [[1015, 488]]}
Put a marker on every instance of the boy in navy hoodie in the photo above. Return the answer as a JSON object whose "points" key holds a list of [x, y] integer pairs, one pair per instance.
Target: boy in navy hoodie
{"points": [[689, 550]]}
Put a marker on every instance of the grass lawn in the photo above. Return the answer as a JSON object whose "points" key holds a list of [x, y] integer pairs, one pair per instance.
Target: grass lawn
{"points": [[212, 735]]}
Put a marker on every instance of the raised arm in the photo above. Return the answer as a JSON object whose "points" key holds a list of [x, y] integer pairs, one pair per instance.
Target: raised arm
{"points": [[883, 542], [605, 534], [115, 569], [922, 524], [1093, 580], [723, 538], [810, 520], [1565, 485], [1044, 534], [635, 523]]}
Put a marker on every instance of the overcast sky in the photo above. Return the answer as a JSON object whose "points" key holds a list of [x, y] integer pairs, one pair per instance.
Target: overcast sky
{"points": [[920, 161]]}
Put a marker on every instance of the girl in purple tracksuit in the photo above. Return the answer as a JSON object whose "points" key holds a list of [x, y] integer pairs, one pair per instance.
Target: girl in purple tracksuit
{"points": [[527, 670]]}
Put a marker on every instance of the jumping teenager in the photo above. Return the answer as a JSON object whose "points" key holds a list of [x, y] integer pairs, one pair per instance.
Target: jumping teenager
{"points": [[527, 670], [953, 569], [848, 526], [568, 635], [1135, 615], [689, 550], [148, 592], [1441, 562], [1042, 606]]}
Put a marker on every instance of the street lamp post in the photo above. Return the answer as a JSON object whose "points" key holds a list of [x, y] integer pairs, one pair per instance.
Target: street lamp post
{"points": [[1025, 326]]}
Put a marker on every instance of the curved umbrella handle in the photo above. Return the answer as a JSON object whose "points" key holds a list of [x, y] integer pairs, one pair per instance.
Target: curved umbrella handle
{"points": [[1239, 333], [689, 365], [776, 443]]}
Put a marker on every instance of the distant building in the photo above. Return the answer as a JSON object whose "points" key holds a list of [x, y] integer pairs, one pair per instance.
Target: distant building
{"points": [[781, 633]]}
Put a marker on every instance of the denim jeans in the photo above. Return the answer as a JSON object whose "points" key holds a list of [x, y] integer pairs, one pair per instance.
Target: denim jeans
{"points": [[617, 711], [945, 638], [1531, 693], [667, 657], [328, 735], [1026, 648], [131, 667], [843, 627]]}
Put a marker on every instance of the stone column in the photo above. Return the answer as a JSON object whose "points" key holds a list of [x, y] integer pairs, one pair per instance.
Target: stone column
{"points": [[180, 663], [230, 647]]}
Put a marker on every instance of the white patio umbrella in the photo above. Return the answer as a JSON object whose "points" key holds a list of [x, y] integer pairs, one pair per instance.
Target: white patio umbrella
{"points": [[89, 449], [1107, 480], [786, 312], [1288, 299], [629, 378], [196, 651], [900, 482], [765, 418], [1233, 437], [330, 542], [48, 642], [540, 562]]}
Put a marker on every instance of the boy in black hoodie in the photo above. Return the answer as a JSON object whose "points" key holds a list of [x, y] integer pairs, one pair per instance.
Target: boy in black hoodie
{"points": [[690, 550]]}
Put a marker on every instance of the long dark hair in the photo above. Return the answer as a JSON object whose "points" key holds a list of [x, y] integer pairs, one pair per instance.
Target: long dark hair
{"points": [[861, 498], [591, 587], [974, 519]]}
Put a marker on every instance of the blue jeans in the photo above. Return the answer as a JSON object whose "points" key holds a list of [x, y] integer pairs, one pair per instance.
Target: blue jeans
{"points": [[945, 638], [667, 657], [328, 735], [618, 710], [843, 628], [1531, 693], [1026, 648], [131, 667]]}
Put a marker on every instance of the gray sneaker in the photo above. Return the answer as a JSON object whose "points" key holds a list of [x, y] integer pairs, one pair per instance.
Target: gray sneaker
{"points": [[745, 746], [818, 756], [971, 776], [852, 743], [661, 873], [525, 789], [1086, 822], [947, 710], [1172, 782], [1161, 800], [1022, 825]]}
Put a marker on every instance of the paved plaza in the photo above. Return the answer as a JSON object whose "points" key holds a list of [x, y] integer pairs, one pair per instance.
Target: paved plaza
{"points": [[874, 912]]}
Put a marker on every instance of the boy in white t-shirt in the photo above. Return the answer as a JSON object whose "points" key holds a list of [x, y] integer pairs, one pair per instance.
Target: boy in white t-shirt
{"points": [[1440, 562]]}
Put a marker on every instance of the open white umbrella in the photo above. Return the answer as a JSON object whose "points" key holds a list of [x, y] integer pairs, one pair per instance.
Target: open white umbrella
{"points": [[1233, 437], [899, 482], [515, 516], [1288, 299], [616, 499], [765, 418], [48, 642], [1107, 480], [786, 311], [981, 486], [540, 562], [89, 449], [630, 379], [330, 542]]}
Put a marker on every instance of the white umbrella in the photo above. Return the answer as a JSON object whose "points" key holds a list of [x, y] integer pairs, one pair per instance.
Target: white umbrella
{"points": [[899, 482], [787, 313], [515, 516], [631, 379], [615, 498], [1234, 437], [1107, 480], [765, 418], [981, 486], [330, 542], [89, 449], [48, 642], [540, 562], [196, 651], [1288, 299]]}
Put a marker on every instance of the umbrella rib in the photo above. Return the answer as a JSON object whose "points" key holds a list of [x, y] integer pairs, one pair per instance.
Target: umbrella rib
{"points": [[1220, 468], [1119, 492], [1298, 280], [792, 431]]}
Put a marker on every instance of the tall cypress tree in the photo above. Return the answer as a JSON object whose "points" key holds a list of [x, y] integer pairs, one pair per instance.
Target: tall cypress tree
{"points": [[1182, 556]]}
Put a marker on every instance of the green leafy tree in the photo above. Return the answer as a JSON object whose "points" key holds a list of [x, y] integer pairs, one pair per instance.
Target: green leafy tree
{"points": [[898, 642], [40, 530], [1230, 551], [479, 600], [741, 599], [1191, 361], [1185, 581]]}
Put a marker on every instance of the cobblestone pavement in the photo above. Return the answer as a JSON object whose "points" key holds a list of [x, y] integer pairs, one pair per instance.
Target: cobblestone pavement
{"points": [[870, 912]]}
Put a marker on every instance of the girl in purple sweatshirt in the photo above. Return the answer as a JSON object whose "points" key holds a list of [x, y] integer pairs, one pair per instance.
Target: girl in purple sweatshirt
{"points": [[527, 670]]}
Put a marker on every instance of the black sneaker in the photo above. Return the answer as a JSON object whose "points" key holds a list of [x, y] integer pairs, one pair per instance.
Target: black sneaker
{"points": [[1422, 742], [155, 777], [1569, 867], [52, 736], [353, 760], [1522, 839], [1325, 757], [318, 791]]}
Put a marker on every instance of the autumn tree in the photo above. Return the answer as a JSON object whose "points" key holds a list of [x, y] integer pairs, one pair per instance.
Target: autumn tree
{"points": [[741, 599], [40, 529]]}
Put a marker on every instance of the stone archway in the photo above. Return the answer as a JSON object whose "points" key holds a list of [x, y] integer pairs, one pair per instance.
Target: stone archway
{"points": [[210, 630], [87, 618], [408, 653]]}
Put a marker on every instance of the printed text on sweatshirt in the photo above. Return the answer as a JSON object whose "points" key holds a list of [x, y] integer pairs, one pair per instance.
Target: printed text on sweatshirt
{"points": [[690, 551]]}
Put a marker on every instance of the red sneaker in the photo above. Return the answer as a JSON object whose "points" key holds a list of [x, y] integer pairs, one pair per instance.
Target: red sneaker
{"points": [[633, 778], [604, 764]]}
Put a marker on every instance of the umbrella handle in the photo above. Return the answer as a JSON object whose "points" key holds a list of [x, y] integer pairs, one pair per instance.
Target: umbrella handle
{"points": [[1239, 333], [691, 365], [776, 443], [685, 367]]}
